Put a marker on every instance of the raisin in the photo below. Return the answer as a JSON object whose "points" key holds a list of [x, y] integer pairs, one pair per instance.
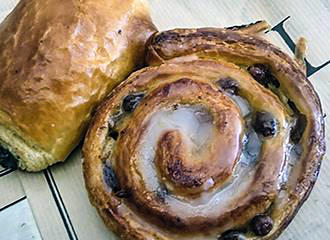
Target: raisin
{"points": [[231, 235], [110, 178], [262, 225], [131, 101], [299, 129], [113, 134], [229, 85], [262, 74], [265, 124], [274, 81], [259, 72], [293, 106], [123, 194]]}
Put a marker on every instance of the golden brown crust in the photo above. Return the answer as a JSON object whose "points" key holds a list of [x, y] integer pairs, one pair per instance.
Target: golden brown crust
{"points": [[182, 195], [58, 60], [300, 52]]}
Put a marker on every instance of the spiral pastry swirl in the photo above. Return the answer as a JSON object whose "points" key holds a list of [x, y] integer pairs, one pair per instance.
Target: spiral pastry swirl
{"points": [[221, 137]]}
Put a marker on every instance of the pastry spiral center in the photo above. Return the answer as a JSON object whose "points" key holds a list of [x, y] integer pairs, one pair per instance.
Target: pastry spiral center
{"points": [[191, 153]]}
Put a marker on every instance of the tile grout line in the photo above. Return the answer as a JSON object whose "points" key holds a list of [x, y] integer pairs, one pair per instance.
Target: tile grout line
{"points": [[13, 203], [5, 172], [60, 204]]}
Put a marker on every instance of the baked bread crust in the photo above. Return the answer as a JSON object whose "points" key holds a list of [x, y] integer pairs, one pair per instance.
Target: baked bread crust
{"points": [[204, 67], [58, 59]]}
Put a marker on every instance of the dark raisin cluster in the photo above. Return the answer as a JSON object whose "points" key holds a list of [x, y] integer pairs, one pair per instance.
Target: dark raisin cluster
{"points": [[131, 101], [111, 180], [231, 235], [265, 124], [229, 85], [262, 225], [262, 74]]}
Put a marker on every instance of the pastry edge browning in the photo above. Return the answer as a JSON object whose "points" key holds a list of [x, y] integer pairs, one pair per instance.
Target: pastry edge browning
{"points": [[23, 149]]}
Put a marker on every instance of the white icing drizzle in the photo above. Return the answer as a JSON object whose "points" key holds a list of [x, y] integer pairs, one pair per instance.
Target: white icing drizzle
{"points": [[195, 125], [242, 104]]}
